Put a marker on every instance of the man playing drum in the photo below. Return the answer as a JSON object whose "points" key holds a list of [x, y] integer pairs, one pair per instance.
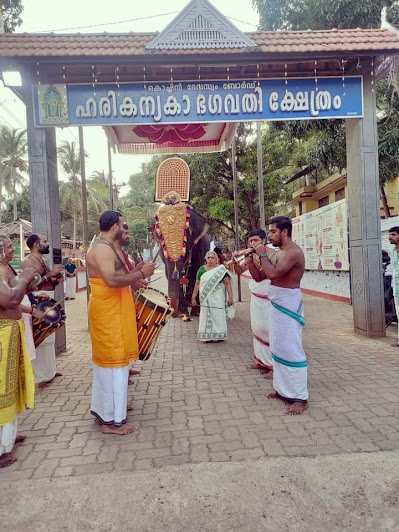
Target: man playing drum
{"points": [[44, 365], [142, 283], [17, 382], [112, 321]]}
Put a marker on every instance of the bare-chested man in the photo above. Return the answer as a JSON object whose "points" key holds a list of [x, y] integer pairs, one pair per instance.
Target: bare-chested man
{"points": [[141, 283], [112, 320], [286, 315], [44, 365], [17, 382]]}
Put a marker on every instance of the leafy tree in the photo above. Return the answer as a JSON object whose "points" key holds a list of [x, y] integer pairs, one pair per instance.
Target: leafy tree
{"points": [[23, 206], [325, 140], [322, 14], [142, 186], [212, 180], [13, 152], [11, 10], [139, 234], [212, 183], [71, 190]]}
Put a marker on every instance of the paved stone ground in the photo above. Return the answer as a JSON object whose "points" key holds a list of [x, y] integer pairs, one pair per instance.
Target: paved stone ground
{"points": [[199, 402]]}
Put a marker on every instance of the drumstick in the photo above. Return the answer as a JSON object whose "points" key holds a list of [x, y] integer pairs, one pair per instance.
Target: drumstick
{"points": [[49, 309], [156, 255], [153, 280]]}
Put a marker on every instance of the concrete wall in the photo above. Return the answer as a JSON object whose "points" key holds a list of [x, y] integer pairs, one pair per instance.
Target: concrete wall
{"points": [[327, 283], [337, 283]]}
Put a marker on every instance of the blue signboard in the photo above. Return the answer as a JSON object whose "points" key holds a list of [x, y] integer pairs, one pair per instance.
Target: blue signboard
{"points": [[194, 102]]}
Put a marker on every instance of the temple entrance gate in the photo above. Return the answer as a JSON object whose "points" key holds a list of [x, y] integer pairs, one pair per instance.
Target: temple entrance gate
{"points": [[201, 71]]}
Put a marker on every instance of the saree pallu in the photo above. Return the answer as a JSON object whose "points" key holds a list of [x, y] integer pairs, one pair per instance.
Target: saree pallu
{"points": [[260, 312], [212, 295], [113, 330], [289, 358], [17, 382]]}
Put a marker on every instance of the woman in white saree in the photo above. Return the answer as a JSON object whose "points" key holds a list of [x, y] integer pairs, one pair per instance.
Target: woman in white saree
{"points": [[216, 299]]}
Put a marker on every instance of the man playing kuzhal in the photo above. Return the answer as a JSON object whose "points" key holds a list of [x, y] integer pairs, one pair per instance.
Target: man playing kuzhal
{"points": [[112, 319], [260, 304], [17, 382], [286, 315], [44, 365]]}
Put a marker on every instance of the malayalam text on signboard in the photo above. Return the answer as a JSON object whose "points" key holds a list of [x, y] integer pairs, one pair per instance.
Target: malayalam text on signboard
{"points": [[211, 101], [322, 236]]}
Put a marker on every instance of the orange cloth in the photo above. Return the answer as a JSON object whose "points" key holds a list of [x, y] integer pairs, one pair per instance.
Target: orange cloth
{"points": [[113, 331]]}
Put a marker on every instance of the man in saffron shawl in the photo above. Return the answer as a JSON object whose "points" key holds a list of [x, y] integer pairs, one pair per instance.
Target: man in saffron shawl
{"points": [[17, 382], [286, 315], [112, 320], [142, 283]]}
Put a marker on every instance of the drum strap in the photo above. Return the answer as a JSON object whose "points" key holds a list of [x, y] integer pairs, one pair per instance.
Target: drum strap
{"points": [[30, 296], [121, 262]]}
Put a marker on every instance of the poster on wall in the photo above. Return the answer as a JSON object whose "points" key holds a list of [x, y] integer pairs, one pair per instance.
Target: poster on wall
{"points": [[322, 235]]}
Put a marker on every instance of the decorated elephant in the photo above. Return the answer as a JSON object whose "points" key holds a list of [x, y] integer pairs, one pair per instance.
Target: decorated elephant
{"points": [[181, 231]]}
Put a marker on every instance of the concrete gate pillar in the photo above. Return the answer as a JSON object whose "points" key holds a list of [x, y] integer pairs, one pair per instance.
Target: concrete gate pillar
{"points": [[364, 217], [44, 198]]}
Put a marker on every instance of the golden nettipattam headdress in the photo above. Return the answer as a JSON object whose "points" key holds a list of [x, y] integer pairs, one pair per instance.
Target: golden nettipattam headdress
{"points": [[171, 224], [173, 174]]}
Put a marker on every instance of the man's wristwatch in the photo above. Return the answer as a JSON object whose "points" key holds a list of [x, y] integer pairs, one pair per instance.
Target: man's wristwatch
{"points": [[263, 255]]}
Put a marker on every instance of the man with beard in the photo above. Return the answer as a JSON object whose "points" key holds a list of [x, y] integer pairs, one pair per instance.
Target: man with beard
{"points": [[286, 315], [17, 382], [141, 283], [44, 365], [112, 319]]}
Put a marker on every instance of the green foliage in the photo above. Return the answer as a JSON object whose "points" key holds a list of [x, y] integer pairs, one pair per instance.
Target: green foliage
{"points": [[221, 209], [322, 14], [212, 184], [13, 152], [23, 206], [139, 234], [11, 10], [71, 192], [323, 141], [142, 186], [138, 205]]}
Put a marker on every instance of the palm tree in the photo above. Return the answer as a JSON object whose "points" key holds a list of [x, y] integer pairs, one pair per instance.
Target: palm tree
{"points": [[13, 151], [99, 183], [71, 190]]}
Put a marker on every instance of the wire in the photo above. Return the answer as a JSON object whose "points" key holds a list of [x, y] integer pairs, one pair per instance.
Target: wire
{"points": [[132, 20], [243, 22], [110, 23], [13, 116], [6, 122]]}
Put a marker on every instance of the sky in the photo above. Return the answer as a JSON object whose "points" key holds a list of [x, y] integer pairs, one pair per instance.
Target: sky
{"points": [[71, 16]]}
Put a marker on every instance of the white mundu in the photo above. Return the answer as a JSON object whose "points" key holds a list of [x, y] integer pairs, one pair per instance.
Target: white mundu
{"points": [[289, 358], [260, 311], [44, 365]]}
